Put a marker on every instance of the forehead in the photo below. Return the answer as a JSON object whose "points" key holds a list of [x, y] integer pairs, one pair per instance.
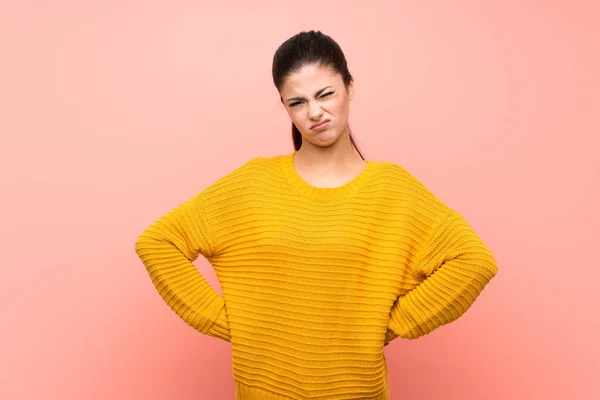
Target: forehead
{"points": [[309, 79]]}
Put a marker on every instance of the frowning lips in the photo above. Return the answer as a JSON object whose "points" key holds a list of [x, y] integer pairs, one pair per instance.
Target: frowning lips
{"points": [[319, 123]]}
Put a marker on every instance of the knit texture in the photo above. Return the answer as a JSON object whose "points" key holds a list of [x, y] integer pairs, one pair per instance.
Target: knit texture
{"points": [[315, 281]]}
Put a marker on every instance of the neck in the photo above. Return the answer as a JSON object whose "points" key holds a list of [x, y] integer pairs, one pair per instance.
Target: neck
{"points": [[336, 158]]}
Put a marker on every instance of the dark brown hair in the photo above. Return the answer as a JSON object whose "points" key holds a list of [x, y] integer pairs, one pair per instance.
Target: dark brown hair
{"points": [[306, 48]]}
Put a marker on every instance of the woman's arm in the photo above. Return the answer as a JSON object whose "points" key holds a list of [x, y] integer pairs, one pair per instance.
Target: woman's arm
{"points": [[167, 249], [453, 269]]}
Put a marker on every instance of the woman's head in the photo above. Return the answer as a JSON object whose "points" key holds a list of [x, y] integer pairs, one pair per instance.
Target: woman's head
{"points": [[312, 77]]}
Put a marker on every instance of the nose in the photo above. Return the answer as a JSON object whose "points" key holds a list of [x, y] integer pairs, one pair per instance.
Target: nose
{"points": [[314, 110]]}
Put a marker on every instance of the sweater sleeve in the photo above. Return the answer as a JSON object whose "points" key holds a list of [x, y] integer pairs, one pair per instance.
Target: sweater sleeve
{"points": [[167, 249], [452, 270]]}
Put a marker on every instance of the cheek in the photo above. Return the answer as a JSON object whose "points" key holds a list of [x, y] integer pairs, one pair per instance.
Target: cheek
{"points": [[338, 108], [298, 118], [295, 115]]}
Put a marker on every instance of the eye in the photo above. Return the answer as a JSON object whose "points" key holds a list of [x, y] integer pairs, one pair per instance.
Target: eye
{"points": [[294, 104], [327, 94]]}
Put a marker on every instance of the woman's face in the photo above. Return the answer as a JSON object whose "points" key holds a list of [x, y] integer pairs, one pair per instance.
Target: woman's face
{"points": [[315, 96]]}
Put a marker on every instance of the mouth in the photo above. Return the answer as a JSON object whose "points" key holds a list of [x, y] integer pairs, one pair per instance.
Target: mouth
{"points": [[320, 124]]}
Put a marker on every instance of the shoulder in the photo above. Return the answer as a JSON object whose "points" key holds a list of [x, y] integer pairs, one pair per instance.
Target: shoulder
{"points": [[408, 189], [258, 164], [398, 177], [245, 175]]}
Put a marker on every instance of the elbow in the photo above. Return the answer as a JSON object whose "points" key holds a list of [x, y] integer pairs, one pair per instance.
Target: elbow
{"points": [[493, 268], [140, 244], [144, 241], [488, 264], [484, 262]]}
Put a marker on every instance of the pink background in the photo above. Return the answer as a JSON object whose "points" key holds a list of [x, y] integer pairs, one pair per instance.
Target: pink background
{"points": [[113, 112]]}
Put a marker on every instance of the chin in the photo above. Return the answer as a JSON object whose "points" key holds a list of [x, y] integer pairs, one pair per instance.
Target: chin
{"points": [[325, 139]]}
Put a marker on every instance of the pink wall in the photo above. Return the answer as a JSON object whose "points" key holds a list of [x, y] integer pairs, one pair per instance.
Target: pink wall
{"points": [[111, 113]]}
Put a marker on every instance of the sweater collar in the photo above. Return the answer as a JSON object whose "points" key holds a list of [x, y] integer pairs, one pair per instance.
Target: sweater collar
{"points": [[324, 194]]}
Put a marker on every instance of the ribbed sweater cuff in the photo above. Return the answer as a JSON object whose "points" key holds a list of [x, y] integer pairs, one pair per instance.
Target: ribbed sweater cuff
{"points": [[220, 328], [389, 336]]}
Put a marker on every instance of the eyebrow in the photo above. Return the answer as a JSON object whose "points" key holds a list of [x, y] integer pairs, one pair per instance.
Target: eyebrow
{"points": [[316, 94]]}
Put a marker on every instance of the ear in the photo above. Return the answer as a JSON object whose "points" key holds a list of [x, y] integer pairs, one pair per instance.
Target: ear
{"points": [[351, 90]]}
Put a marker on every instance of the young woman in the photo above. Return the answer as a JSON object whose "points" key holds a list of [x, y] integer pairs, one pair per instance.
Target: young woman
{"points": [[323, 257]]}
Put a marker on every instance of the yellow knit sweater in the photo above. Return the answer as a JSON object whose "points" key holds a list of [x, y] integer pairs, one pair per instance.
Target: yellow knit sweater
{"points": [[315, 281]]}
